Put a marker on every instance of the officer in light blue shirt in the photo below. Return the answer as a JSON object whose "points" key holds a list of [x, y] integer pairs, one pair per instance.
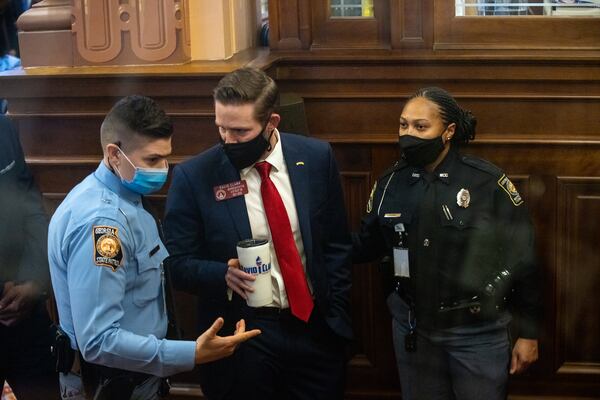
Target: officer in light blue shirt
{"points": [[106, 264]]}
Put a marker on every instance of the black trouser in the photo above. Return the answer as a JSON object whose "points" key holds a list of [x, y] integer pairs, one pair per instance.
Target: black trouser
{"points": [[290, 359], [25, 359]]}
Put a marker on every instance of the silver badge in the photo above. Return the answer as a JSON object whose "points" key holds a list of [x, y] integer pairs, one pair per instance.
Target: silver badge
{"points": [[463, 198]]}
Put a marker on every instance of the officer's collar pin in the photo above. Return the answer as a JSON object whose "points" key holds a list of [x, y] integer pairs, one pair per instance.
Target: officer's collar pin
{"points": [[444, 177], [414, 176]]}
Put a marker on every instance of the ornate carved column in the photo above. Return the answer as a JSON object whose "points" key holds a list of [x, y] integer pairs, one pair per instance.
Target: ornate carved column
{"points": [[126, 32], [45, 34], [105, 32]]}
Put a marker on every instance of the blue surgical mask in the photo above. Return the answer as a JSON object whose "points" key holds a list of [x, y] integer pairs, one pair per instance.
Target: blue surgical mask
{"points": [[145, 180]]}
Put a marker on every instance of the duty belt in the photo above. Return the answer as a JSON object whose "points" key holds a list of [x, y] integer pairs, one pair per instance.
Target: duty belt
{"points": [[468, 311]]}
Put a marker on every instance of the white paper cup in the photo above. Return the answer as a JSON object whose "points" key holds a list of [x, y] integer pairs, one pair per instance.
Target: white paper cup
{"points": [[255, 259]]}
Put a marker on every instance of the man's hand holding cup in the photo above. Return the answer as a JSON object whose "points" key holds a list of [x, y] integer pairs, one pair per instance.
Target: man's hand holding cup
{"points": [[251, 272], [238, 280]]}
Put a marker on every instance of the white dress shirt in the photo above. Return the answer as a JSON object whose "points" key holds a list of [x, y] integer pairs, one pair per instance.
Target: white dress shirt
{"points": [[258, 219]]}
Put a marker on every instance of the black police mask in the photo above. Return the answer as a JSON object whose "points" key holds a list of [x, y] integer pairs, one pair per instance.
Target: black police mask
{"points": [[243, 155], [420, 152]]}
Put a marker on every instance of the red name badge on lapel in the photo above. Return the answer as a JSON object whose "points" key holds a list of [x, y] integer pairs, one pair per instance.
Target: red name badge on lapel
{"points": [[230, 190]]}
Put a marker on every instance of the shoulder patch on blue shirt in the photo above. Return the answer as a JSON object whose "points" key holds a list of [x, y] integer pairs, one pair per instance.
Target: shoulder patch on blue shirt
{"points": [[107, 246], [509, 188]]}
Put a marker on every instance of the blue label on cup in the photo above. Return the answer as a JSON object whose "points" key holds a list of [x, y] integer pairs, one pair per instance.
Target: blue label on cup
{"points": [[258, 268]]}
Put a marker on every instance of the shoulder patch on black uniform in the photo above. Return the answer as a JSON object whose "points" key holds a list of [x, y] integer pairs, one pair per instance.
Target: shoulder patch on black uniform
{"points": [[107, 246], [509, 188], [482, 165], [370, 202]]}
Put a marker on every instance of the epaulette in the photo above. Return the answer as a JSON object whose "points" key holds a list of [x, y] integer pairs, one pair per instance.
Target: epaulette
{"points": [[502, 180], [398, 165], [482, 165]]}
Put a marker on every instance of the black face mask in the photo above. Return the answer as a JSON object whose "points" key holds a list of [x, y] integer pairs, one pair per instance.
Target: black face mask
{"points": [[420, 152], [243, 155]]}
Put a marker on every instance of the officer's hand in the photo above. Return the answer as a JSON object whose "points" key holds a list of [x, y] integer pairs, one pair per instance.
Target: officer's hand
{"points": [[210, 347], [18, 301], [237, 279], [524, 354]]}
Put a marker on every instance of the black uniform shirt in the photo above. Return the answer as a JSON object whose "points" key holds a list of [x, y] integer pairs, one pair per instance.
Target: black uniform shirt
{"points": [[465, 222]]}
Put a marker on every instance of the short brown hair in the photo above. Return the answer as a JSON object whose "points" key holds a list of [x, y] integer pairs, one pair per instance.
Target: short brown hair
{"points": [[249, 85], [135, 115]]}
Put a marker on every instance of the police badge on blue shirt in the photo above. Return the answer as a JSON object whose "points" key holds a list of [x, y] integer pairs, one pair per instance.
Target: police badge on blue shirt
{"points": [[107, 247]]}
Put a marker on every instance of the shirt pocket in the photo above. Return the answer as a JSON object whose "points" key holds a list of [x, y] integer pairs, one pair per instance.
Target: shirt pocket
{"points": [[393, 223], [462, 219], [467, 240], [148, 281]]}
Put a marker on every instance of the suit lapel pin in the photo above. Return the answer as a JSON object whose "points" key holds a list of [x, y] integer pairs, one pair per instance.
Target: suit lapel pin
{"points": [[463, 198], [300, 163]]}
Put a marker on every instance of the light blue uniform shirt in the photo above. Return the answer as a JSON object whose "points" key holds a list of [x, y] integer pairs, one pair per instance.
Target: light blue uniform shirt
{"points": [[9, 62], [106, 258]]}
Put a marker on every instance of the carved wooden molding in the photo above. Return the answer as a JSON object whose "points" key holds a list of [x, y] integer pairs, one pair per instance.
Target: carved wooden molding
{"points": [[130, 31], [290, 24], [45, 34], [413, 24], [47, 15], [577, 353]]}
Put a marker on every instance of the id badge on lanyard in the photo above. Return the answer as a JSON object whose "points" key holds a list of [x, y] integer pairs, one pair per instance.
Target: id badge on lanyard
{"points": [[401, 267]]}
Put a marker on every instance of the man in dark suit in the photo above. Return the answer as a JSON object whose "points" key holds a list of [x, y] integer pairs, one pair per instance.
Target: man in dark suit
{"points": [[26, 331], [260, 183]]}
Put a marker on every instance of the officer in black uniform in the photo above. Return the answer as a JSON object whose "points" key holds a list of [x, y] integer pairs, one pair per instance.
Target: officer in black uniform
{"points": [[26, 331], [459, 245]]}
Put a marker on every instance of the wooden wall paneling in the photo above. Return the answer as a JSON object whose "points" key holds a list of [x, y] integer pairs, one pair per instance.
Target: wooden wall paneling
{"points": [[53, 136], [355, 185], [371, 320], [290, 24], [347, 33], [411, 24], [374, 117], [542, 204], [55, 178], [38, 90], [578, 275], [518, 33], [99, 104], [403, 74], [363, 119]]}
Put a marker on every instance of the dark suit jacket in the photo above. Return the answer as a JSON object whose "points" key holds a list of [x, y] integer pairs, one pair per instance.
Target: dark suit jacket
{"points": [[23, 257], [202, 233], [23, 222]]}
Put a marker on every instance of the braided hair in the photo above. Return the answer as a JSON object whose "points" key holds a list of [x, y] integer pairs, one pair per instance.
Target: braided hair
{"points": [[451, 112]]}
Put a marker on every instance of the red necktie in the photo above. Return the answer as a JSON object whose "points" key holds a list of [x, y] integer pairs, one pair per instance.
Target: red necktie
{"points": [[289, 260]]}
